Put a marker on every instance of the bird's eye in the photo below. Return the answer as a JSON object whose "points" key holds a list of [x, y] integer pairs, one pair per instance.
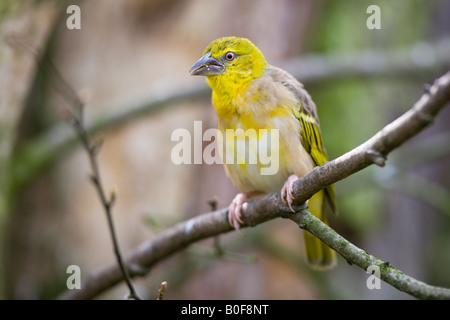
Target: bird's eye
{"points": [[229, 56]]}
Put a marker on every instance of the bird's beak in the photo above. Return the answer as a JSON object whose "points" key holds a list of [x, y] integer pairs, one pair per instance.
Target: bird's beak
{"points": [[207, 66]]}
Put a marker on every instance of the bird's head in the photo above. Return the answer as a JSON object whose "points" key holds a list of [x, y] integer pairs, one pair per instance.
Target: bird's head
{"points": [[230, 60]]}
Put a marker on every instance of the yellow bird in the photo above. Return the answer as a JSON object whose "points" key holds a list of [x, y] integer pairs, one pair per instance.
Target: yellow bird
{"points": [[249, 95]]}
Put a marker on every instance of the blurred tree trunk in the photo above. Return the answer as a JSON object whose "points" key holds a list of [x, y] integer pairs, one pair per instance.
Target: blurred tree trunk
{"points": [[26, 27]]}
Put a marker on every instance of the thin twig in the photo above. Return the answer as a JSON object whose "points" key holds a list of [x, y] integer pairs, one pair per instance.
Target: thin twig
{"points": [[92, 149], [217, 247]]}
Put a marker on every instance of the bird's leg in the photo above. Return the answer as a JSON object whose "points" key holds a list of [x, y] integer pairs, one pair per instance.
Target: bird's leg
{"points": [[234, 209], [286, 192]]}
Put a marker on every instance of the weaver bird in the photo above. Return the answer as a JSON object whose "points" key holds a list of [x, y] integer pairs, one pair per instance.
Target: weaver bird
{"points": [[248, 93]]}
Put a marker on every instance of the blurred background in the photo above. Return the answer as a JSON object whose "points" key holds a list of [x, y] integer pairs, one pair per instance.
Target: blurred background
{"points": [[129, 62]]}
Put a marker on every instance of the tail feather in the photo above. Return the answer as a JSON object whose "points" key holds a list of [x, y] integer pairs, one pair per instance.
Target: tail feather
{"points": [[318, 254]]}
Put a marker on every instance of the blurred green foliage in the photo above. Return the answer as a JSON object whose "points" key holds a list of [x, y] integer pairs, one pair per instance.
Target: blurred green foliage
{"points": [[352, 109]]}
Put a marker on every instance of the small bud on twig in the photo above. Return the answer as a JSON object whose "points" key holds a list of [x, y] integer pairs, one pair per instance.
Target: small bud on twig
{"points": [[376, 157], [162, 290], [112, 195]]}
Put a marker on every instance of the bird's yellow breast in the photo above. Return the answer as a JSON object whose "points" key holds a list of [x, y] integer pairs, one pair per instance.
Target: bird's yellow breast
{"points": [[258, 125]]}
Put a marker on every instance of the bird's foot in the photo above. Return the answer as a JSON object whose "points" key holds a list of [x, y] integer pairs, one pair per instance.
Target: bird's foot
{"points": [[234, 209], [287, 191]]}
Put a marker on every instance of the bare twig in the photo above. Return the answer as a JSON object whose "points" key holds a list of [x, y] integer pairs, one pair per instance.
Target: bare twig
{"points": [[107, 203], [92, 149], [217, 247], [375, 150]]}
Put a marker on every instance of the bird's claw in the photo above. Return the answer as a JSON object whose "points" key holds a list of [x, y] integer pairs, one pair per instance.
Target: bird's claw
{"points": [[287, 191], [234, 210]]}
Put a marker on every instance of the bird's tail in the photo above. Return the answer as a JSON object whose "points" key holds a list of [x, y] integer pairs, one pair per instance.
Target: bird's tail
{"points": [[318, 254]]}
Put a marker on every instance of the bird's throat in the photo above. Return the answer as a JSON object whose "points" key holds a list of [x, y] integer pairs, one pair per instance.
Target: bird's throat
{"points": [[228, 98]]}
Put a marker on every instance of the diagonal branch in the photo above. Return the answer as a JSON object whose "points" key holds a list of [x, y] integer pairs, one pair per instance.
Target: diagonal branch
{"points": [[376, 149], [373, 151], [362, 259]]}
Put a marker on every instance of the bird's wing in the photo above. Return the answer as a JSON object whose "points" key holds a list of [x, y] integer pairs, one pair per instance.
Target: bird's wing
{"points": [[305, 112]]}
